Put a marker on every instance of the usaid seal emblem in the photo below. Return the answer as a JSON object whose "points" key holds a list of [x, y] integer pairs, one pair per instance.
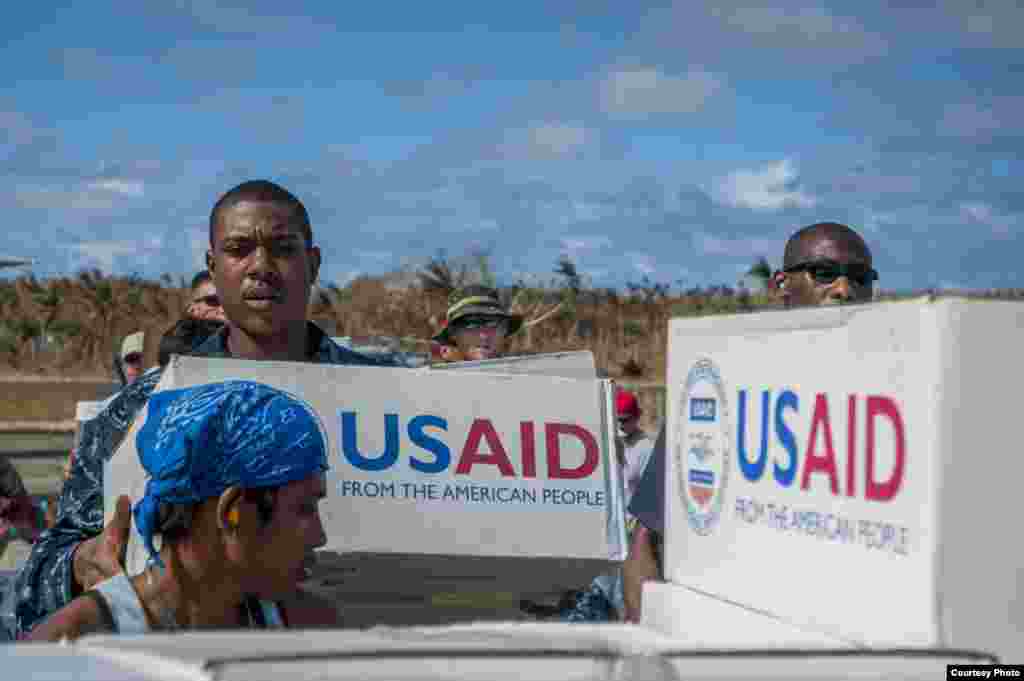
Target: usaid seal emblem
{"points": [[702, 446]]}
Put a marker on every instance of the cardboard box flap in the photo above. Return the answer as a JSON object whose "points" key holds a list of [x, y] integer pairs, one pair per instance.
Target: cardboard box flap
{"points": [[577, 364], [773, 321]]}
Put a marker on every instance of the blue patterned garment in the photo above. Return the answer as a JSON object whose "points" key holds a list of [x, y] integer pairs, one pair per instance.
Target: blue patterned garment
{"points": [[44, 584], [597, 603], [197, 442]]}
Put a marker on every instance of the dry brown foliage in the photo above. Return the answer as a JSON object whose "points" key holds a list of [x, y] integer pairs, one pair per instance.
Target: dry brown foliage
{"points": [[86, 317]]}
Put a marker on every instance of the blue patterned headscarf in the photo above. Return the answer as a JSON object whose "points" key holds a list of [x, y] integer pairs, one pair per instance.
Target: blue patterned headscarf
{"points": [[197, 442]]}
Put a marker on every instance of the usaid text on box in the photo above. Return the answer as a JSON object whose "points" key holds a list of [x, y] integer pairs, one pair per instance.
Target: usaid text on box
{"points": [[548, 477], [472, 493], [984, 671]]}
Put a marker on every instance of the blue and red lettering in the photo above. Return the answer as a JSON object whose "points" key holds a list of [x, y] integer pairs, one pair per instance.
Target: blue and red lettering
{"points": [[819, 463], [482, 447]]}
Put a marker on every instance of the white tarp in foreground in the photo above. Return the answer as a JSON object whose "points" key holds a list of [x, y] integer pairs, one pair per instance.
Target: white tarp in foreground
{"points": [[538, 652]]}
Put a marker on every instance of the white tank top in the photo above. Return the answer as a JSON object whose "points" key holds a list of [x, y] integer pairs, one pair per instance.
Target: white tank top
{"points": [[130, 618]]}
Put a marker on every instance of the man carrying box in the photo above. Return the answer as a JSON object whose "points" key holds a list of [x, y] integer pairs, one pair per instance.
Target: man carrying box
{"points": [[131, 356], [824, 264], [603, 599], [263, 261]]}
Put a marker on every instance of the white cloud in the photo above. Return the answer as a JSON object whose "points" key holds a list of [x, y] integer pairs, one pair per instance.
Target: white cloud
{"points": [[585, 243], [708, 244], [991, 24], [232, 18], [978, 213], [484, 225], [644, 263], [16, 128], [55, 198], [972, 119], [639, 92], [547, 140], [104, 253], [811, 24], [374, 255], [770, 188], [133, 188], [558, 139], [198, 244]]}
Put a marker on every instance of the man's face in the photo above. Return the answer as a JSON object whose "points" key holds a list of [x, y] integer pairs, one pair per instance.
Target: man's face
{"points": [[283, 551], [132, 363], [481, 337], [828, 270], [205, 303], [629, 424], [262, 267]]}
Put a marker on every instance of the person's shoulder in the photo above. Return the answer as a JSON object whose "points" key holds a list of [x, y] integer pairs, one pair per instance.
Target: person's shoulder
{"points": [[81, 616]]}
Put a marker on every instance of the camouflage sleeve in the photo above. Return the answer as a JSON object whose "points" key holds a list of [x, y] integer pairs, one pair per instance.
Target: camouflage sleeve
{"points": [[44, 583], [592, 605]]}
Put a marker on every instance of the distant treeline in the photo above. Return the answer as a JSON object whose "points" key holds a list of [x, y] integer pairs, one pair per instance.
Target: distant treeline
{"points": [[73, 325]]}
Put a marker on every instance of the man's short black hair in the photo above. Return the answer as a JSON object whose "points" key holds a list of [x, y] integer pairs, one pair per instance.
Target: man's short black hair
{"points": [[184, 336], [201, 278], [261, 190], [831, 230]]}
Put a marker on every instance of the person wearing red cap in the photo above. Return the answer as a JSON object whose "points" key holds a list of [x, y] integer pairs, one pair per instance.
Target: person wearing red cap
{"points": [[636, 445], [603, 600]]}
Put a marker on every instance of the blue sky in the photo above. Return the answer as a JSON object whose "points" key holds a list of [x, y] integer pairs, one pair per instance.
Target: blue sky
{"points": [[667, 139]]}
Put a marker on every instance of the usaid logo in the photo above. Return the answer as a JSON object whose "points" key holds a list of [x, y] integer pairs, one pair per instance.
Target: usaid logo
{"points": [[702, 409], [702, 453]]}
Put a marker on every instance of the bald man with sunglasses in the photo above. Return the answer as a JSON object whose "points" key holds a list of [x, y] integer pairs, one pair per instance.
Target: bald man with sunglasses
{"points": [[826, 263]]}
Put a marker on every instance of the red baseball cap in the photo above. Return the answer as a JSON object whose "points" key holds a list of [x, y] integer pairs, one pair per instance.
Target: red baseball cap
{"points": [[626, 404]]}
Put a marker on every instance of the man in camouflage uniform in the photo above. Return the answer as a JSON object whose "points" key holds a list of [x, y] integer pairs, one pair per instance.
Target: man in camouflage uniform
{"points": [[263, 262]]}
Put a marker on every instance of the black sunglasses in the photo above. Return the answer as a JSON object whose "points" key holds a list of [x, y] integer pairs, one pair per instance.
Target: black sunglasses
{"points": [[827, 271], [474, 323]]}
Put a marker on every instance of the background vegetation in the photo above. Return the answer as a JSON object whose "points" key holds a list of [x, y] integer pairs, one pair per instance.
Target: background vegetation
{"points": [[71, 326]]}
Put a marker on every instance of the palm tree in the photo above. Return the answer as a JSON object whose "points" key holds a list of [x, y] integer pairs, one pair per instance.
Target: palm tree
{"points": [[47, 301], [95, 295], [439, 275]]}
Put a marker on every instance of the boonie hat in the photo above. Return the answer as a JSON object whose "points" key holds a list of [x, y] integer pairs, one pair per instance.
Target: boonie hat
{"points": [[133, 344], [475, 301]]}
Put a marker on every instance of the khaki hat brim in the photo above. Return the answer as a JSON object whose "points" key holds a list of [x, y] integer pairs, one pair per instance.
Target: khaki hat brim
{"points": [[515, 322]]}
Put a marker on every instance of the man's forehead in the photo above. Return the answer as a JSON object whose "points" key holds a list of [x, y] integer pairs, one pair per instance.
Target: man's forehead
{"points": [[841, 248], [271, 217]]}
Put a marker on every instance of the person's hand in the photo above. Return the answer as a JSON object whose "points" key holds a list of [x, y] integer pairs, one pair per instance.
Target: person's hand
{"points": [[100, 558], [641, 566], [20, 514]]}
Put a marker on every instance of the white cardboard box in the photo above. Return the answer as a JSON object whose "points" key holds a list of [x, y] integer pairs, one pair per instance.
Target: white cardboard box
{"points": [[534, 521], [903, 531], [576, 364]]}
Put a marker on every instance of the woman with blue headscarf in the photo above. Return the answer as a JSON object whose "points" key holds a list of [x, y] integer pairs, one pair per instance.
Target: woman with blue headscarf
{"points": [[236, 474]]}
